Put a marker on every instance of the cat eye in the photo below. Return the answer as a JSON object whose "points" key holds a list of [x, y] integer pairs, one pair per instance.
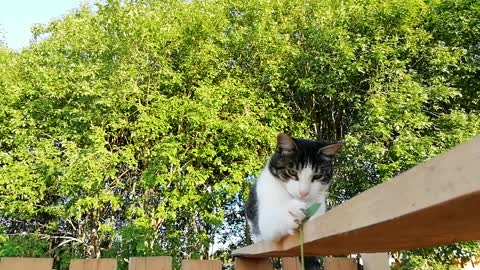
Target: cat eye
{"points": [[319, 177], [291, 172]]}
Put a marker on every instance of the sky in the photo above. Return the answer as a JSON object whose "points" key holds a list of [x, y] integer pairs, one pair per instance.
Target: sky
{"points": [[18, 16]]}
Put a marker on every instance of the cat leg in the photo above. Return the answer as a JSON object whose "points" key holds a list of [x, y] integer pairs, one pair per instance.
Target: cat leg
{"points": [[296, 215], [270, 224], [281, 220]]}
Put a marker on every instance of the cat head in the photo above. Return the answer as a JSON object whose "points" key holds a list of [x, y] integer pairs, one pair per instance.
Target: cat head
{"points": [[304, 167]]}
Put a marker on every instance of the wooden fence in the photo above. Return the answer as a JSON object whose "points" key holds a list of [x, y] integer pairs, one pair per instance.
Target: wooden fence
{"points": [[434, 203], [165, 263]]}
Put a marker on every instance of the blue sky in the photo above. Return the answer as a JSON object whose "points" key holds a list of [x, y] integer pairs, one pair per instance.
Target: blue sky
{"points": [[18, 16]]}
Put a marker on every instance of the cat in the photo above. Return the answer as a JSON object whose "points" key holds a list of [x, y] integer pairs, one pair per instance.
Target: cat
{"points": [[297, 175]]}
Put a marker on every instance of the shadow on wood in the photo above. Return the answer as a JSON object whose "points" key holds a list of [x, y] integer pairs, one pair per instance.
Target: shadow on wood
{"points": [[253, 264]]}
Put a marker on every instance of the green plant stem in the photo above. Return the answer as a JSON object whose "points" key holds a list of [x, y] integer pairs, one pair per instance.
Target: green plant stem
{"points": [[302, 260]]}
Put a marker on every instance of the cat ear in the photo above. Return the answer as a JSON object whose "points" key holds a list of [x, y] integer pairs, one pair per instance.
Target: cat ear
{"points": [[330, 150], [285, 144]]}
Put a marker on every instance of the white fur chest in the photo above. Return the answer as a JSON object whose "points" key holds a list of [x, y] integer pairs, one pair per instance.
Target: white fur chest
{"points": [[279, 211]]}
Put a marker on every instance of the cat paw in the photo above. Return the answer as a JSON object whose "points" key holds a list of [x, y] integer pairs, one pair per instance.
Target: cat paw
{"points": [[296, 215]]}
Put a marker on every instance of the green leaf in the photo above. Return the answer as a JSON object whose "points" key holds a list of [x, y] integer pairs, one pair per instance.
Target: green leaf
{"points": [[312, 209]]}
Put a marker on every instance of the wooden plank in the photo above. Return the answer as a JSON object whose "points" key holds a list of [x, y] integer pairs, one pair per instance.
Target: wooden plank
{"points": [[150, 263], [339, 264], [10, 263], [93, 264], [398, 214], [253, 264], [375, 261], [291, 263], [201, 265]]}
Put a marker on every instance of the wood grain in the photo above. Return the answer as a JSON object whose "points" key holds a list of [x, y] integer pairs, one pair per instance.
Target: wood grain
{"points": [[291, 263], [9, 263], [201, 265], [93, 264], [253, 264], [339, 264], [150, 263]]}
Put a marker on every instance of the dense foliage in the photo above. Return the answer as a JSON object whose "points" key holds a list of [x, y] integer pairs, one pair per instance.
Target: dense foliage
{"points": [[132, 128]]}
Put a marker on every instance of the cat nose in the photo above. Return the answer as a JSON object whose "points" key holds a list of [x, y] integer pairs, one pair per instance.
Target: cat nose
{"points": [[303, 194]]}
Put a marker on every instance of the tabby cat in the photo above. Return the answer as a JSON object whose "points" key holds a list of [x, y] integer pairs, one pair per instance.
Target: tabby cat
{"points": [[296, 175]]}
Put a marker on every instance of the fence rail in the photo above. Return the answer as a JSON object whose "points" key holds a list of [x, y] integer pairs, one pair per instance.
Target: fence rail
{"points": [[432, 204], [164, 263]]}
